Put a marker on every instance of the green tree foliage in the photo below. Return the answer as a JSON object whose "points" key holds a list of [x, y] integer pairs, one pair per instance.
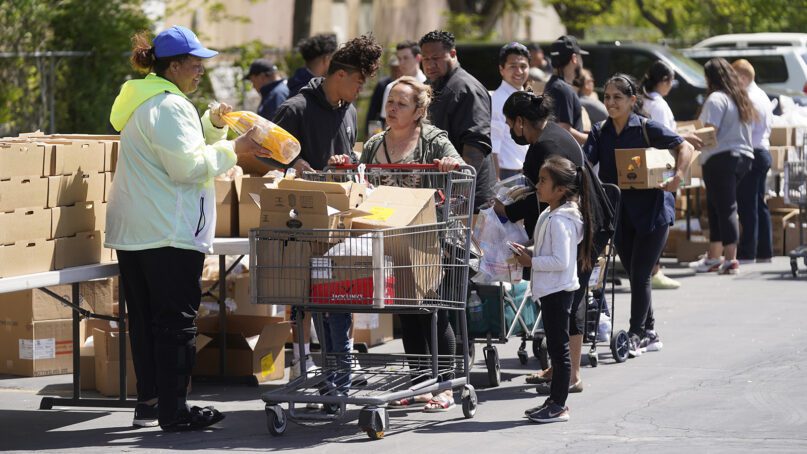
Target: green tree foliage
{"points": [[84, 87], [475, 20]]}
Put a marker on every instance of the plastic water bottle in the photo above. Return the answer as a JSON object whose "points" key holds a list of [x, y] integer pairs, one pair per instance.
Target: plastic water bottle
{"points": [[475, 307]]}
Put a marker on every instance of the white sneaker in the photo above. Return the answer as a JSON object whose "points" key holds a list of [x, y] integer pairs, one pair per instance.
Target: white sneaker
{"points": [[356, 377], [706, 265], [651, 342], [294, 369], [661, 281]]}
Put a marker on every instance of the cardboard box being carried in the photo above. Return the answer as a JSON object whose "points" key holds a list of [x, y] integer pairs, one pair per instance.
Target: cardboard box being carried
{"points": [[415, 252], [643, 168], [255, 346], [707, 134]]}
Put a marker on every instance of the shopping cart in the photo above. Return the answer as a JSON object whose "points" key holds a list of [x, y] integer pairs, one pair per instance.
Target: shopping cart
{"points": [[415, 270], [796, 193]]}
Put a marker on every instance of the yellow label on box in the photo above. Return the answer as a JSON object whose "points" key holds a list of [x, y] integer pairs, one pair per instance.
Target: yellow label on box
{"points": [[379, 213], [267, 365]]}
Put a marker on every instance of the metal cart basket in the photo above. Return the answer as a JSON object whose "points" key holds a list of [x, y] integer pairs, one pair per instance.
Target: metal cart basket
{"points": [[796, 193], [415, 269]]}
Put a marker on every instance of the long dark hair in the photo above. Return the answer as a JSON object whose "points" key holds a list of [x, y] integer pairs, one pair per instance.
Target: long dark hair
{"points": [[657, 73], [534, 108], [575, 183], [720, 76], [626, 84]]}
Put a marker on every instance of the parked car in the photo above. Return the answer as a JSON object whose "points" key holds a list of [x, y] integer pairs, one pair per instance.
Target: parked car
{"points": [[604, 60], [780, 68], [748, 40]]}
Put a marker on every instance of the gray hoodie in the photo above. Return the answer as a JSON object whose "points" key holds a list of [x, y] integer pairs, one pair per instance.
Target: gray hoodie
{"points": [[554, 260]]}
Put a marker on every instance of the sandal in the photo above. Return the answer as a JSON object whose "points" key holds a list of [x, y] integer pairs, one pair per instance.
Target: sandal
{"points": [[439, 404], [421, 400], [194, 418], [539, 377]]}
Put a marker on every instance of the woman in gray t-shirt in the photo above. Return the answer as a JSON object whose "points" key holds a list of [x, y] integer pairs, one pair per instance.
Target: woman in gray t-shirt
{"points": [[729, 110]]}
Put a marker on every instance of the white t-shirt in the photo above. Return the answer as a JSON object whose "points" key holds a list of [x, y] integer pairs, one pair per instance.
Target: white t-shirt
{"points": [[761, 128], [658, 110], [419, 76], [510, 155], [732, 134]]}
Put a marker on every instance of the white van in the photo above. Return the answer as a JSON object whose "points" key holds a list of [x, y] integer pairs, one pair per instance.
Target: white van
{"points": [[744, 40]]}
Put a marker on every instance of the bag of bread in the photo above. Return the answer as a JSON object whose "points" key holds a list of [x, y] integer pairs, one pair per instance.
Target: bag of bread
{"points": [[278, 143]]}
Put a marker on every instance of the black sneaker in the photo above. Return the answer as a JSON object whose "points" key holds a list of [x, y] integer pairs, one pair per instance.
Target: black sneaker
{"points": [[145, 415], [550, 413], [532, 410]]}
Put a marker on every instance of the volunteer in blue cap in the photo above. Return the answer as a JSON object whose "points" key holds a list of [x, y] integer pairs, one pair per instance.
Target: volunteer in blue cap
{"points": [[161, 218]]}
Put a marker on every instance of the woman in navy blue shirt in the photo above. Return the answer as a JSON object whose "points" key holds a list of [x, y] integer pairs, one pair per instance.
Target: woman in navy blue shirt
{"points": [[646, 214]]}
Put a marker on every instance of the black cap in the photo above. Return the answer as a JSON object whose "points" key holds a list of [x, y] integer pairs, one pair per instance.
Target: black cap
{"points": [[563, 48], [260, 66]]}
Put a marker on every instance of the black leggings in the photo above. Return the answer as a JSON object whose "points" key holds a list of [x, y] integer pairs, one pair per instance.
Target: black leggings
{"points": [[639, 254], [555, 309], [416, 337], [721, 174], [163, 294]]}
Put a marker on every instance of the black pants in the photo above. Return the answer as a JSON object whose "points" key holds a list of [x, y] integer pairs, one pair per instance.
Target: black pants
{"points": [[555, 310], [162, 293], [721, 173], [755, 217], [639, 253], [416, 337]]}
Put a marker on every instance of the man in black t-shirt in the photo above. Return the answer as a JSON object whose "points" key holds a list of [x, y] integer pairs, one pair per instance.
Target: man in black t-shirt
{"points": [[567, 62]]}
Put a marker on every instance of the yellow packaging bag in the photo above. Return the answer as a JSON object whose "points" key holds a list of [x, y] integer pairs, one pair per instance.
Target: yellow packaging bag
{"points": [[278, 143]]}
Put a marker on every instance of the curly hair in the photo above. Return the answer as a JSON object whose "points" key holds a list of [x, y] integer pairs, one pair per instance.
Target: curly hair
{"points": [[317, 46], [438, 36], [361, 54]]}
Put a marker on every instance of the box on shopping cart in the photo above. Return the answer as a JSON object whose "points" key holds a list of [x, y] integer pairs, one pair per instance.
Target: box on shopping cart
{"points": [[415, 253], [348, 280]]}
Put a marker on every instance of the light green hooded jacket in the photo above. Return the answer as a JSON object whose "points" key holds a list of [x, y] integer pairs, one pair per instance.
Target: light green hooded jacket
{"points": [[163, 193]]}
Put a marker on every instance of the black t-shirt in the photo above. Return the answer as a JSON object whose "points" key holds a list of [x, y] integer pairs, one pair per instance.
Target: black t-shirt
{"points": [[554, 141], [567, 104]]}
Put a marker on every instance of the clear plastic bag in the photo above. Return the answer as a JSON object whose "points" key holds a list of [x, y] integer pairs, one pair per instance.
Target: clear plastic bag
{"points": [[278, 143]]}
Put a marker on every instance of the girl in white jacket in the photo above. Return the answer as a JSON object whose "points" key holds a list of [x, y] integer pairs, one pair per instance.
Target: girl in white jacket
{"points": [[561, 227]]}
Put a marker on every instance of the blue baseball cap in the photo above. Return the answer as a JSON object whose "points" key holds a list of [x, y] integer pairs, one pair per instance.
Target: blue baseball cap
{"points": [[178, 40]]}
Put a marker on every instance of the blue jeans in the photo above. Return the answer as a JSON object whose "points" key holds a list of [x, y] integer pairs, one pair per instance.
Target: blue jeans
{"points": [[755, 217], [336, 339]]}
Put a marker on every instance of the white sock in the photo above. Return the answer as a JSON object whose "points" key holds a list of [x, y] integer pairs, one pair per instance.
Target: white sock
{"points": [[350, 345], [295, 349], [307, 348]]}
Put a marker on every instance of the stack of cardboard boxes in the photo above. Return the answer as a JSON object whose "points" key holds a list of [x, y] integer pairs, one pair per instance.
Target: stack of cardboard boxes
{"points": [[53, 201]]}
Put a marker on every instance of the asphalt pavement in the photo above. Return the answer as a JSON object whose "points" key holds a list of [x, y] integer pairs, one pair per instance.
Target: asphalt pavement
{"points": [[730, 378]]}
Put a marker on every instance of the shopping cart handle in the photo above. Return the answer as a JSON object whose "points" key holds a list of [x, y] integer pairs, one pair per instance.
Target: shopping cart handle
{"points": [[391, 166]]}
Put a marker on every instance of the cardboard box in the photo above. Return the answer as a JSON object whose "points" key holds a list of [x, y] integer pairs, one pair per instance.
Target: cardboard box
{"points": [[25, 224], [64, 190], [243, 300], [415, 252], [687, 127], [21, 160], [226, 209], [255, 346], [111, 143], [107, 363], [304, 211], [781, 220], [68, 157], [348, 280], [249, 212], [33, 349], [36, 305], [108, 176], [283, 273], [342, 196], [83, 248], [26, 257], [781, 155], [80, 217], [23, 192], [707, 134], [787, 136], [791, 236], [643, 168], [690, 250], [372, 329]]}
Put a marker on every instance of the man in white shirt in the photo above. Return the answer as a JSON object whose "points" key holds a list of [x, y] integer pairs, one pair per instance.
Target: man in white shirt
{"points": [[408, 53], [756, 243], [514, 66]]}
